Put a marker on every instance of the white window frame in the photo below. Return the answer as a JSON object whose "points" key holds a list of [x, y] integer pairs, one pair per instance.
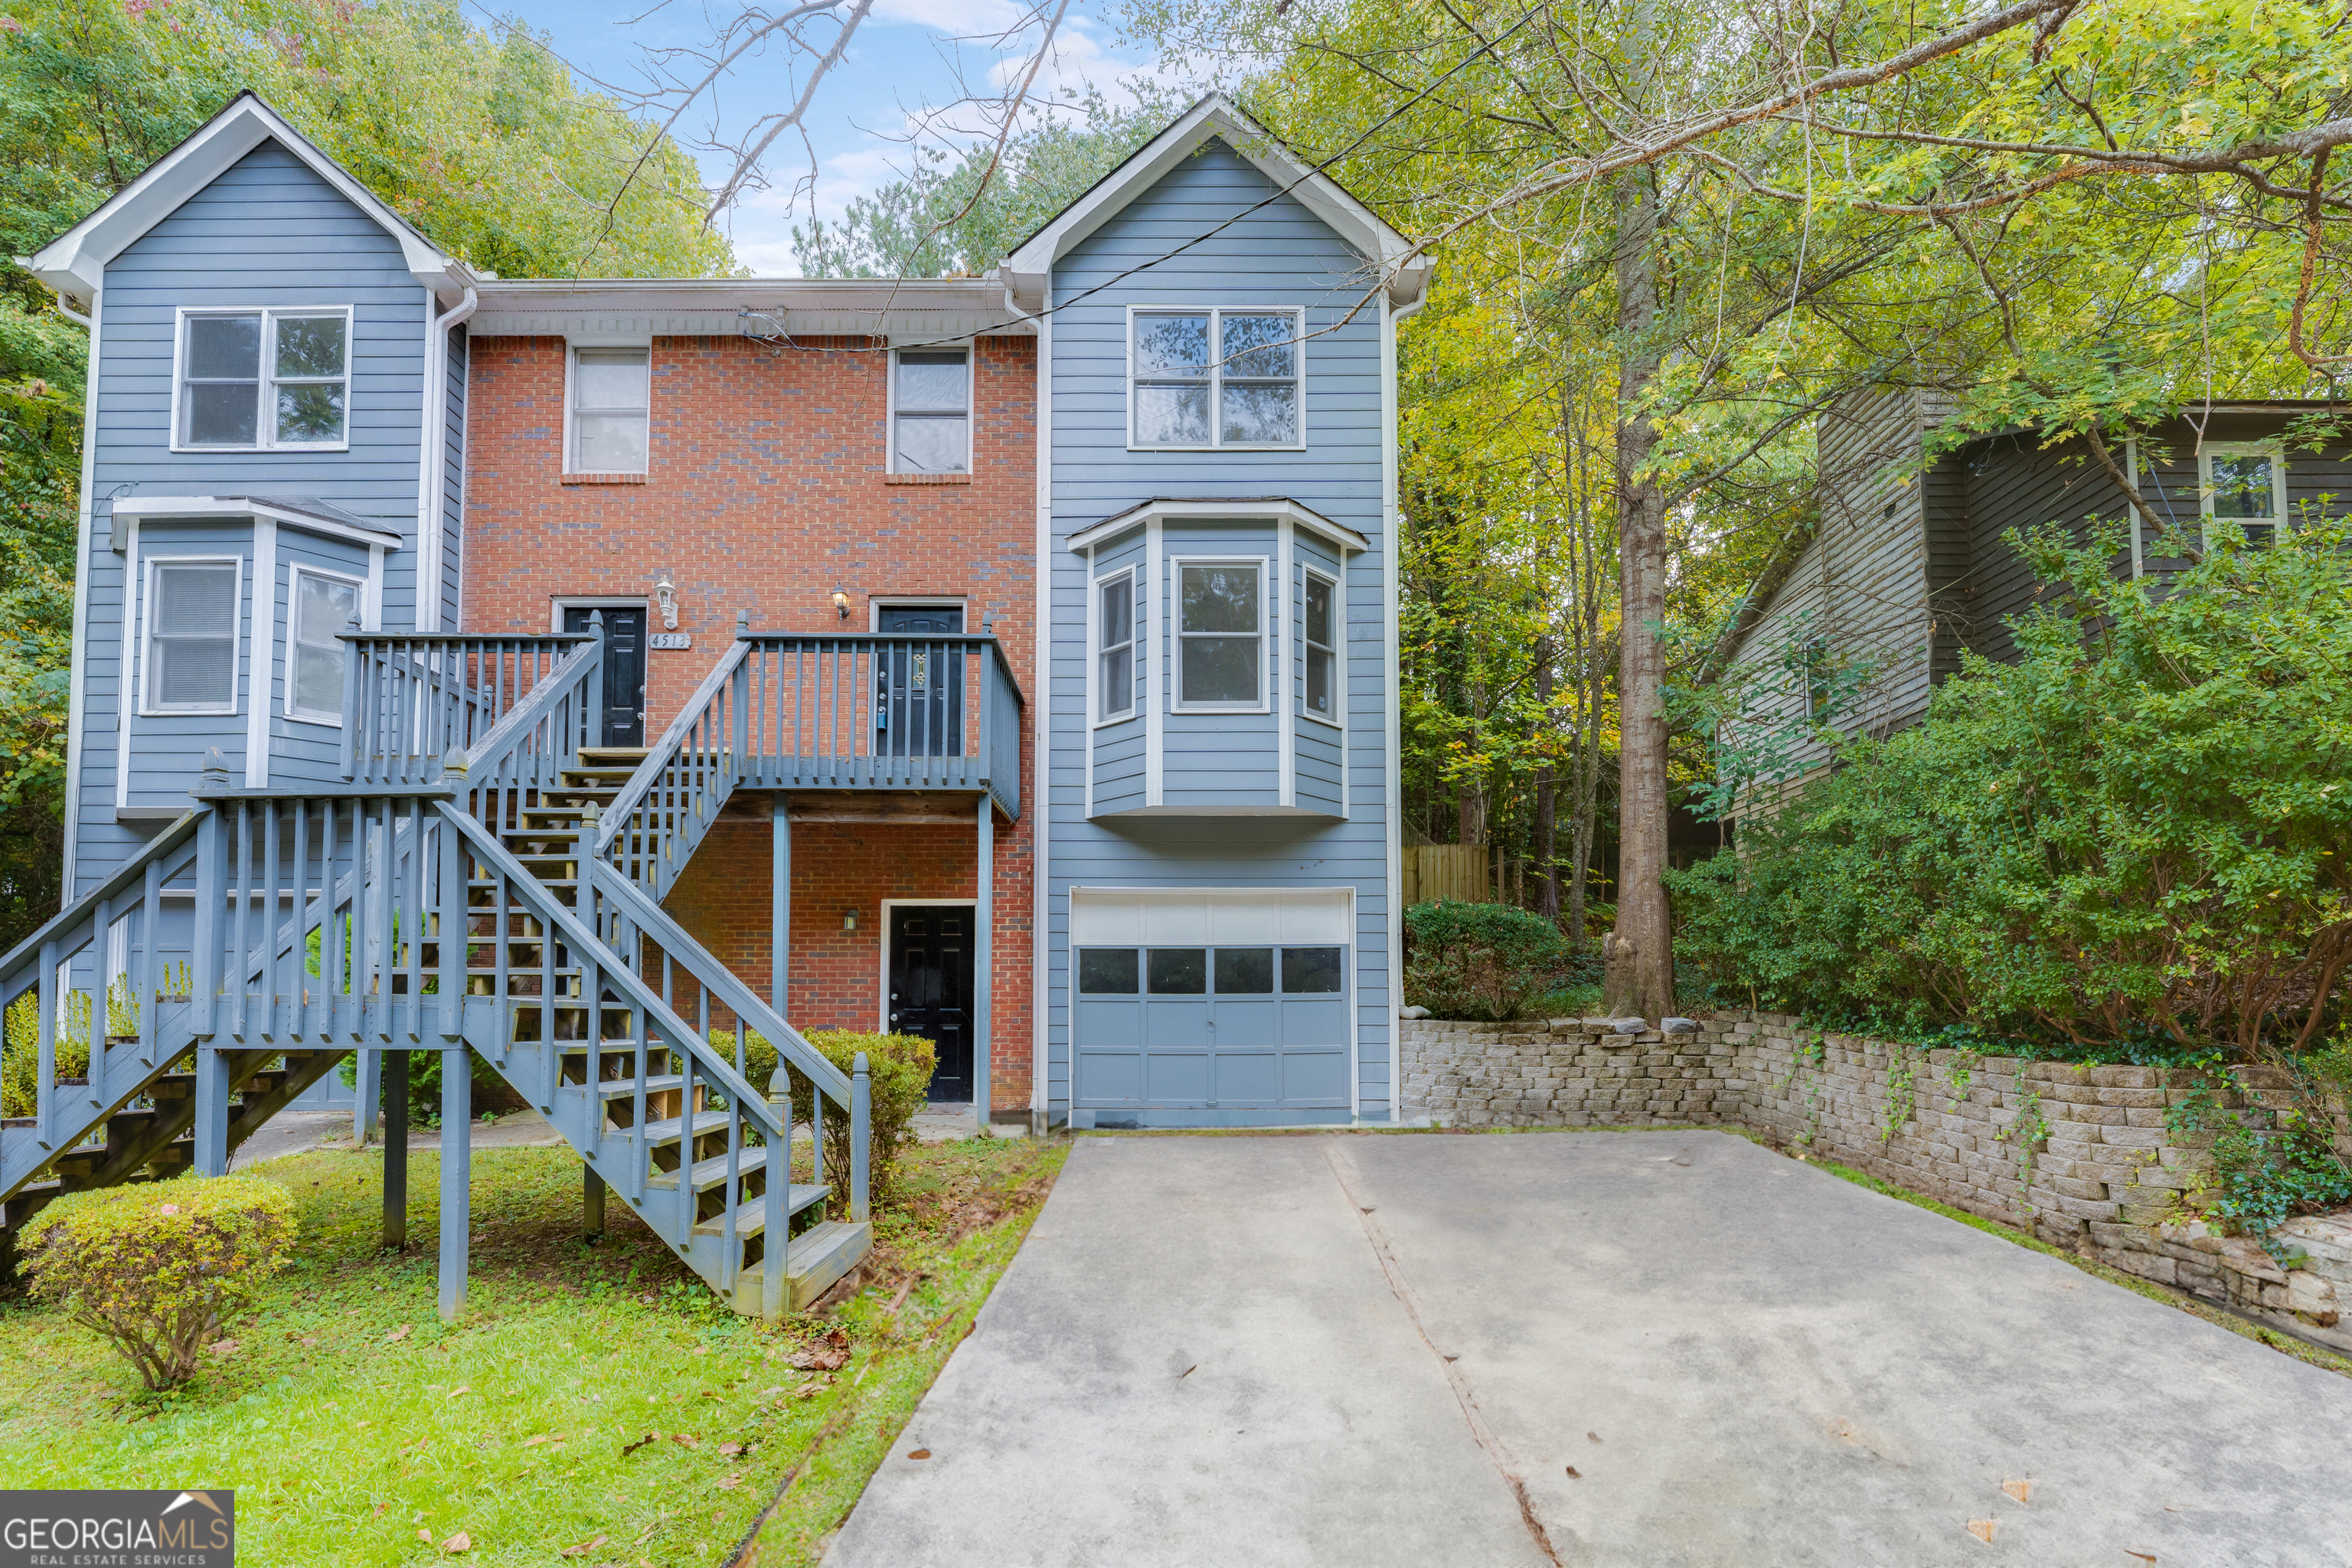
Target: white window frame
{"points": [[1337, 647], [2276, 451], [1176, 634], [294, 574], [1216, 314], [265, 415], [572, 351], [145, 639], [970, 349], [1136, 643], [875, 606]]}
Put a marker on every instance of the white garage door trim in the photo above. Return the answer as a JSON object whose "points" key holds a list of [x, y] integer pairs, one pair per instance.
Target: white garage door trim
{"points": [[1209, 917]]}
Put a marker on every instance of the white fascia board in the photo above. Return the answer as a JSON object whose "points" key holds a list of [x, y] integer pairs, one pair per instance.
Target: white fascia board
{"points": [[231, 506], [1275, 508], [1025, 271], [73, 263]]}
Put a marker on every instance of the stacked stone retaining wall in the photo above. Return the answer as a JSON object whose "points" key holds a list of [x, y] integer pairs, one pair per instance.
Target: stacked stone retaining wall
{"points": [[2079, 1156]]}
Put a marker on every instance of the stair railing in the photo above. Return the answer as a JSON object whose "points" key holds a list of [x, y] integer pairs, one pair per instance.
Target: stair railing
{"points": [[69, 973], [928, 710], [667, 805], [409, 698], [526, 751], [653, 1021]]}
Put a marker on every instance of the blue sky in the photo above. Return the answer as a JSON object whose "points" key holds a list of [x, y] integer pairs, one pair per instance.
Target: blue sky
{"points": [[906, 54]]}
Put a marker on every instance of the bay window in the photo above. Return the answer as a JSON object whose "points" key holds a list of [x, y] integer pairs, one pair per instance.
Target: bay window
{"points": [[1220, 635]]}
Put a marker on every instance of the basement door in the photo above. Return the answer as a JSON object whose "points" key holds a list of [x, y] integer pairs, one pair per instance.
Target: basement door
{"points": [[1208, 1009], [931, 989]]}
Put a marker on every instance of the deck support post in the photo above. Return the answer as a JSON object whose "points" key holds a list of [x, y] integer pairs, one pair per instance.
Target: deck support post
{"points": [[368, 1097], [457, 1176], [780, 907], [984, 919], [212, 1110], [395, 1147], [592, 1202]]}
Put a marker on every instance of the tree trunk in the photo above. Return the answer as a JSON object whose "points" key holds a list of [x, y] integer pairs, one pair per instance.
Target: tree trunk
{"points": [[1547, 826], [1639, 955]]}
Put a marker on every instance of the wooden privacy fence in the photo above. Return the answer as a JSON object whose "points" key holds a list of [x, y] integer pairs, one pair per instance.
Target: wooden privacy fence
{"points": [[1448, 871]]}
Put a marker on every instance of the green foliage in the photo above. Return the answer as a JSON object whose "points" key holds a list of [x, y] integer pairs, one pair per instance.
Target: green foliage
{"points": [[1480, 962], [160, 1269], [2140, 833], [20, 1056], [2263, 1176], [899, 1069], [1758, 718], [960, 218]]}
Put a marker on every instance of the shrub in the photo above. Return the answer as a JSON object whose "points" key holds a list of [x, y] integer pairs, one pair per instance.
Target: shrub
{"points": [[159, 1270], [20, 1050], [898, 1069], [2141, 829], [1480, 962]]}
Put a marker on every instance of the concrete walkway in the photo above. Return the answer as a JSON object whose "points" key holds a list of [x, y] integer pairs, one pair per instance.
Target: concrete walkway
{"points": [[1659, 1348]]}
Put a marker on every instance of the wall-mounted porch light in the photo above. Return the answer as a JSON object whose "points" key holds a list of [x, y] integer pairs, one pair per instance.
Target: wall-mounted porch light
{"points": [[841, 603], [666, 599], [849, 919]]}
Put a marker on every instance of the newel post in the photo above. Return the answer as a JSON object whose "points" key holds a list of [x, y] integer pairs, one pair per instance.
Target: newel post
{"points": [[353, 683], [861, 1136], [450, 912]]}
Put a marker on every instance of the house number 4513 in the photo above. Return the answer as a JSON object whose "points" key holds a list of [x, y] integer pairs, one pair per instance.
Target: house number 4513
{"points": [[670, 640]]}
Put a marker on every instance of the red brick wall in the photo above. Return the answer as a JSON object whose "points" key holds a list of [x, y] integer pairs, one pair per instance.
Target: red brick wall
{"points": [[766, 490]]}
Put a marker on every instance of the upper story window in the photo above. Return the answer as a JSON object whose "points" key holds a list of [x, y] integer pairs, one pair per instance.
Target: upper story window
{"points": [[1115, 645], [191, 656], [1214, 378], [930, 411], [612, 401], [1322, 649], [264, 379], [2245, 485], [324, 606], [1220, 635]]}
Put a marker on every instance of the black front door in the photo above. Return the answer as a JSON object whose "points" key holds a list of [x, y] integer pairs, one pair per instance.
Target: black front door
{"points": [[921, 713], [931, 989], [624, 667]]}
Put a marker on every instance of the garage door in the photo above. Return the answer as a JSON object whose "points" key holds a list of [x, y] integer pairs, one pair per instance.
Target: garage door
{"points": [[1227, 1006]]}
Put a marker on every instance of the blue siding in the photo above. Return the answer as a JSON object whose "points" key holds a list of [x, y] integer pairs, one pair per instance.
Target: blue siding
{"points": [[1280, 255], [268, 231], [453, 476]]}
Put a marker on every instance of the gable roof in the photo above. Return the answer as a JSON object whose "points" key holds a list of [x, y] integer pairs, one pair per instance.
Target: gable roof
{"points": [[1215, 117], [74, 262]]}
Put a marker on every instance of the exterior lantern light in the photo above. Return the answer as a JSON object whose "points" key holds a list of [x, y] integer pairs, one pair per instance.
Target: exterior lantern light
{"points": [[849, 919], [665, 598], [841, 603]]}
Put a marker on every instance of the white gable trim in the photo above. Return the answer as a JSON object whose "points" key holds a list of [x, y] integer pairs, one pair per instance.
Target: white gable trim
{"points": [[137, 507], [1025, 271], [1253, 508], [73, 263]]}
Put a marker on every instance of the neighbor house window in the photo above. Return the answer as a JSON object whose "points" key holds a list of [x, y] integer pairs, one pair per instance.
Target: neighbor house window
{"points": [[323, 608], [263, 379], [612, 391], [1322, 649], [930, 411], [1115, 645], [1215, 378], [1220, 632], [2245, 486], [191, 658]]}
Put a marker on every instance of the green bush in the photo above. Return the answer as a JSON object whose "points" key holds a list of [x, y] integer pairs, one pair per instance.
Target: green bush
{"points": [[1480, 962], [2142, 830], [899, 1069], [160, 1269]]}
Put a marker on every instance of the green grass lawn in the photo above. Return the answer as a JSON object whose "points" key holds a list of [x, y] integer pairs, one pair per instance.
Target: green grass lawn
{"points": [[594, 1399]]}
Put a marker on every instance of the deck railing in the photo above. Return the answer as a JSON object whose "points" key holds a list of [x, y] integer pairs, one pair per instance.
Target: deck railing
{"points": [[407, 699]]}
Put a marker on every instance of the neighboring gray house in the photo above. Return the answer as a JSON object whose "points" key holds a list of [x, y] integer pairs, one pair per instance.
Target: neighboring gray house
{"points": [[1908, 566]]}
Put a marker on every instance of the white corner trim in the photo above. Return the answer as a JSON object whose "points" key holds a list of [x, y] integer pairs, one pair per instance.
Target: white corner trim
{"points": [[1156, 691], [1286, 717], [1040, 815], [261, 656], [130, 677], [85, 567], [1391, 698]]}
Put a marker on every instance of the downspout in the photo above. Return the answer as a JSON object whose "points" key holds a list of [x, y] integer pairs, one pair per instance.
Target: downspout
{"points": [[85, 534], [431, 457]]}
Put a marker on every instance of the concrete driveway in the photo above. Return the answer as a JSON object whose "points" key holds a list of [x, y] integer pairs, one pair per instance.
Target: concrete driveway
{"points": [[1603, 1348]]}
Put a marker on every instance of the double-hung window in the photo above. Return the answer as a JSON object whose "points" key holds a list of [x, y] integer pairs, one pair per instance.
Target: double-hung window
{"points": [[930, 411], [264, 379], [1215, 378], [1220, 634], [190, 665], [2245, 485], [323, 608], [1322, 648], [612, 403], [1115, 646]]}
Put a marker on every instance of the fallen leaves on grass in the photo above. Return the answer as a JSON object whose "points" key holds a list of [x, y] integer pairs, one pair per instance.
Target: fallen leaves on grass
{"points": [[729, 1482], [398, 1334], [827, 1353], [461, 1388], [542, 1438], [731, 1449], [222, 1347], [632, 1447], [461, 1541], [584, 1548]]}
